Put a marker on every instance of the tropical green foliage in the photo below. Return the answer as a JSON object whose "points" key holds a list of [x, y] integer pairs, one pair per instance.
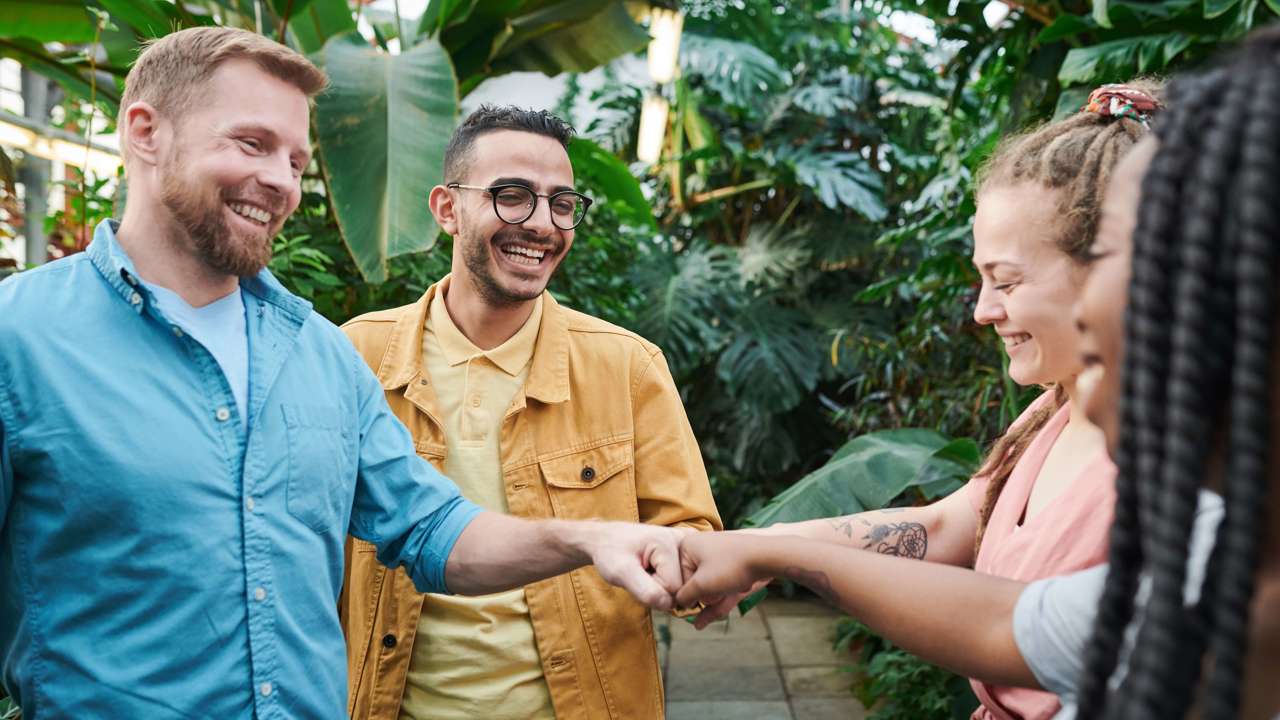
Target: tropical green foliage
{"points": [[896, 685], [382, 127]]}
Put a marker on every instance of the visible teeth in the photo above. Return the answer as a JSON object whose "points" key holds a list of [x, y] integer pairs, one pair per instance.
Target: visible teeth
{"points": [[251, 212], [524, 255], [1016, 340]]}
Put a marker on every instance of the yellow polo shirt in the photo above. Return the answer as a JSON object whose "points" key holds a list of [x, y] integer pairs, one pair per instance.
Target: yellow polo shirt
{"points": [[475, 657]]}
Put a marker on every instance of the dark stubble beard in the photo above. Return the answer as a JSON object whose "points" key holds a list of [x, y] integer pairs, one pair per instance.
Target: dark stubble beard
{"points": [[476, 254], [198, 214]]}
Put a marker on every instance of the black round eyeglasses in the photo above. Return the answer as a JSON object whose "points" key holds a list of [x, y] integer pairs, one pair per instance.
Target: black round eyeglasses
{"points": [[513, 204]]}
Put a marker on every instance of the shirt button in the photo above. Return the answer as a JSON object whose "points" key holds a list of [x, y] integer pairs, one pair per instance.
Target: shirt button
{"points": [[222, 414], [266, 689], [177, 331], [260, 594], [388, 641], [475, 401], [249, 504], [588, 473], [135, 299]]}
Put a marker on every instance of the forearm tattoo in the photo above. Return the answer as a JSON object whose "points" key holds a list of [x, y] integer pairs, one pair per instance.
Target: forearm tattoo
{"points": [[904, 539], [815, 580]]}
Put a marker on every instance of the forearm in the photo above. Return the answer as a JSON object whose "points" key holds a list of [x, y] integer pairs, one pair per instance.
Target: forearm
{"points": [[953, 617], [499, 552]]}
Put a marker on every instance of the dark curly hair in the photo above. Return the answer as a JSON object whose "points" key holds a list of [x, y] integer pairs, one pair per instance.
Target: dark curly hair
{"points": [[1197, 378], [491, 118]]}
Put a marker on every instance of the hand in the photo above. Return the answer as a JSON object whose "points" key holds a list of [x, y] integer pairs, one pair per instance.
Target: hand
{"points": [[719, 570], [644, 560]]}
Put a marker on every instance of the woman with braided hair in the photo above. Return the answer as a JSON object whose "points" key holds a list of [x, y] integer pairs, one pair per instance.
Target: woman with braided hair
{"points": [[1201, 373], [1040, 504]]}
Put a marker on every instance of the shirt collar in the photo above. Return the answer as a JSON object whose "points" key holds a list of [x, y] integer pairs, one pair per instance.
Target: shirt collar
{"points": [[548, 370], [117, 268], [511, 356]]}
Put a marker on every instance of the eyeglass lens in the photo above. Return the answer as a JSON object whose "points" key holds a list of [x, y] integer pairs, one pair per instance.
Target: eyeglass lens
{"points": [[516, 204]]}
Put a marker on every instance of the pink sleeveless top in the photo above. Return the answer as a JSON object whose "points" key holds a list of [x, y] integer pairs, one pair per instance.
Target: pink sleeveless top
{"points": [[1068, 534]]}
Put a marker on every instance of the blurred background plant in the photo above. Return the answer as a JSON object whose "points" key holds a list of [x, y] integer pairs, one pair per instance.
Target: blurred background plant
{"points": [[797, 244]]}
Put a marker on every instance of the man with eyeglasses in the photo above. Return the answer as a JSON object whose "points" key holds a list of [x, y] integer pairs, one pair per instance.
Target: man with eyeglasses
{"points": [[534, 410]]}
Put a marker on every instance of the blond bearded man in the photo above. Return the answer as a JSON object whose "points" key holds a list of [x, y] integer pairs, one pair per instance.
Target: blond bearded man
{"points": [[538, 411], [185, 446]]}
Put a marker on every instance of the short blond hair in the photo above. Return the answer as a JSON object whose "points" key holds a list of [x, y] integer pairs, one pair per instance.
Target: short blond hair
{"points": [[171, 69]]}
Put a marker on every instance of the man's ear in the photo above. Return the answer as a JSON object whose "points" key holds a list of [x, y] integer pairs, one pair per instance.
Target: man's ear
{"points": [[443, 209], [141, 131]]}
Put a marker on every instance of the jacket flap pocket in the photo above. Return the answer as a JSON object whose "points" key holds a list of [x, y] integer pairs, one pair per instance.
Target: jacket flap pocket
{"points": [[587, 468]]}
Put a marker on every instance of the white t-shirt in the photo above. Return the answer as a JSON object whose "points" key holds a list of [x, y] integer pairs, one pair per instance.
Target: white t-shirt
{"points": [[1054, 617]]}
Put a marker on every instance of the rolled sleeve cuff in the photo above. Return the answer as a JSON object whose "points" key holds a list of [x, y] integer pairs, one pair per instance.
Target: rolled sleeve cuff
{"points": [[446, 525], [1051, 625]]}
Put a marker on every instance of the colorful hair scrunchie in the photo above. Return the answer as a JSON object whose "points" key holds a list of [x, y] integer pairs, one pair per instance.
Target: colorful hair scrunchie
{"points": [[1121, 101]]}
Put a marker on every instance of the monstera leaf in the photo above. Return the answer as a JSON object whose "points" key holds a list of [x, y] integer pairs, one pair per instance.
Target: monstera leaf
{"points": [[739, 72], [869, 472], [771, 361], [382, 128]]}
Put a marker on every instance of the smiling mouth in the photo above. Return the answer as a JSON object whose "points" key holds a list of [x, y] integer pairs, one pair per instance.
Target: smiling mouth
{"points": [[522, 254], [1013, 341], [251, 213]]}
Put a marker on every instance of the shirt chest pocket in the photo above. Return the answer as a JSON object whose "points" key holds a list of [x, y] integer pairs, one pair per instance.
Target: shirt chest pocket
{"points": [[320, 481], [593, 484]]}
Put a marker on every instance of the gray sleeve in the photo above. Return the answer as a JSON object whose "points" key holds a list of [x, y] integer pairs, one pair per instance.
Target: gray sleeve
{"points": [[1052, 623]]}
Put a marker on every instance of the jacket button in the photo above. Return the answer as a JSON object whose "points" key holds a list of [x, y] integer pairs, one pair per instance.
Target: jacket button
{"points": [[588, 473], [388, 641]]}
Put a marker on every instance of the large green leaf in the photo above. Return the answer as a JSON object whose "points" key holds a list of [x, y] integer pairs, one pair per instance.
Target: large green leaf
{"points": [[613, 179], [1274, 5], [737, 71], [321, 20], [288, 9], [442, 14], [566, 37], [47, 21], [1214, 8], [382, 128], [772, 361], [1100, 14], [1064, 26], [842, 179], [1121, 59], [866, 474], [146, 17]]}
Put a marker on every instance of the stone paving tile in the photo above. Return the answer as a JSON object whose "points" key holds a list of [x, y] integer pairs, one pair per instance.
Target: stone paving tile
{"points": [[778, 606], [740, 683], [827, 709], [728, 710], [806, 640], [712, 655], [734, 627], [818, 681]]}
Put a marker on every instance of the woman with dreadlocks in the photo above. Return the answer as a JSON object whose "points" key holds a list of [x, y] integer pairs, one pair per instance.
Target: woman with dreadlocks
{"points": [[1040, 504], [1198, 394]]}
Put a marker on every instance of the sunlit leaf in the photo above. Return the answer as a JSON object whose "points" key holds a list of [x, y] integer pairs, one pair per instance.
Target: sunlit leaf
{"points": [[866, 474], [740, 73], [63, 21], [382, 128]]}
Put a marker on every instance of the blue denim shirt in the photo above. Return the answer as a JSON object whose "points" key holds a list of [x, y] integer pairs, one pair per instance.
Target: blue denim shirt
{"points": [[157, 560]]}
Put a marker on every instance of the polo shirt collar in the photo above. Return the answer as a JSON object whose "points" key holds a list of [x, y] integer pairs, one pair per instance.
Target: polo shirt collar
{"points": [[511, 356]]}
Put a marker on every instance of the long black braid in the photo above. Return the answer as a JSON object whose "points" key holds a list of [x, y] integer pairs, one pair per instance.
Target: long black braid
{"points": [[1198, 352]]}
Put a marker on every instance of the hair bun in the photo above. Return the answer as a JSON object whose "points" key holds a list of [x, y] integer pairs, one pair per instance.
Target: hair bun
{"points": [[1122, 101]]}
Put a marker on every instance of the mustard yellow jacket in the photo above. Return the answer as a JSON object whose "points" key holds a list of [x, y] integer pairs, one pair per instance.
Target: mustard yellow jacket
{"points": [[598, 432]]}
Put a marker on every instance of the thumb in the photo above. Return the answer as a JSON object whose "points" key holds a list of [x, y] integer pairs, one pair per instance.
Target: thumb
{"points": [[691, 593], [642, 586]]}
